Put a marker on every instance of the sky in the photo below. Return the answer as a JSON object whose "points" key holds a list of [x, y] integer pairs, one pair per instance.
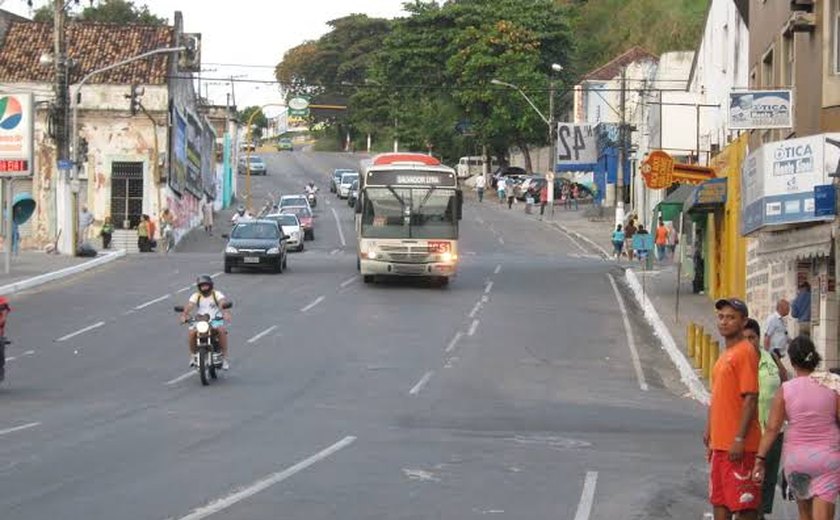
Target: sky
{"points": [[253, 34]]}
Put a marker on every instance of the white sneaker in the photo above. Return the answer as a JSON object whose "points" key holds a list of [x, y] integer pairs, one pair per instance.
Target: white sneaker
{"points": [[225, 365]]}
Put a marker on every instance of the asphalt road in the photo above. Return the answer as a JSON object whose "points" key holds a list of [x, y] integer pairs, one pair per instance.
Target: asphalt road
{"points": [[510, 394]]}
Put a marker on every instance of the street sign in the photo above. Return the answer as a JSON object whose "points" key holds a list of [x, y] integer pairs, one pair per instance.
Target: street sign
{"points": [[576, 144], [64, 164], [16, 134], [298, 107]]}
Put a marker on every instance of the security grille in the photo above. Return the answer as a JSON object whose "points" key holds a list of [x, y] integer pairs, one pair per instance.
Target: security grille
{"points": [[126, 194]]}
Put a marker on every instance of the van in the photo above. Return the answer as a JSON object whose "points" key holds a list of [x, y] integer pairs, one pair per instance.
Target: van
{"points": [[469, 166]]}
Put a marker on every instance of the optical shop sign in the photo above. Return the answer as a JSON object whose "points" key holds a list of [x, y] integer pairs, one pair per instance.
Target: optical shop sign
{"points": [[784, 182]]}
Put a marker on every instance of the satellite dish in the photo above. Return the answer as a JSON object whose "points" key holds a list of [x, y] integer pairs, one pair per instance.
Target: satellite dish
{"points": [[23, 207]]}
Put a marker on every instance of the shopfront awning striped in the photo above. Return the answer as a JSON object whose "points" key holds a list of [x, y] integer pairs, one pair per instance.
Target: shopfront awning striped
{"points": [[796, 243]]}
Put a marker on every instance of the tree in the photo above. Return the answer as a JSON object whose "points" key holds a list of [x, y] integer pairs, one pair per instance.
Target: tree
{"points": [[108, 11], [258, 124]]}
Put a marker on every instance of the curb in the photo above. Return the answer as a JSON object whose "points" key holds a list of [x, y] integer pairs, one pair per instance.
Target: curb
{"points": [[42, 279], [688, 376], [601, 250]]}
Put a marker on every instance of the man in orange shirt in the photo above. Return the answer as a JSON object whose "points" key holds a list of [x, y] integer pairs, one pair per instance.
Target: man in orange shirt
{"points": [[732, 433], [661, 240]]}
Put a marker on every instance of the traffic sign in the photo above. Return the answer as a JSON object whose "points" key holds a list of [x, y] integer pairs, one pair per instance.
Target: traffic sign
{"points": [[64, 164]]}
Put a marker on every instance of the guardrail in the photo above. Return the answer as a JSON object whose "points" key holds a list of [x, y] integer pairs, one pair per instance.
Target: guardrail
{"points": [[702, 350]]}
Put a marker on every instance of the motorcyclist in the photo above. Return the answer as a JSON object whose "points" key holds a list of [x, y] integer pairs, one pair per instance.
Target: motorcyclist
{"points": [[241, 215], [207, 300], [311, 189], [5, 309]]}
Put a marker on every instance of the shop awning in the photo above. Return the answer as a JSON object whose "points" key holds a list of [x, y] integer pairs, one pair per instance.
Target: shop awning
{"points": [[794, 244], [672, 205], [707, 197]]}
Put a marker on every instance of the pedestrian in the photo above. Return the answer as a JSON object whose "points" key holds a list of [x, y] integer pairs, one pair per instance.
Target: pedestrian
{"points": [[510, 190], [565, 194], [143, 241], [85, 221], [775, 330], [661, 240], [480, 185], [800, 309], [15, 238], [732, 431], [107, 232], [500, 188], [771, 375], [673, 240], [543, 199], [640, 243], [810, 403], [618, 237], [207, 217], [629, 232], [152, 230], [575, 193]]}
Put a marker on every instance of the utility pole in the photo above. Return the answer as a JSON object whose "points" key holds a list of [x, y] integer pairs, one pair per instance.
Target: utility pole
{"points": [[66, 210], [622, 151], [551, 146]]}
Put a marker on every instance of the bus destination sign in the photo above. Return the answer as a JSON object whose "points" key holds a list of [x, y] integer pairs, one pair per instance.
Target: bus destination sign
{"points": [[410, 178]]}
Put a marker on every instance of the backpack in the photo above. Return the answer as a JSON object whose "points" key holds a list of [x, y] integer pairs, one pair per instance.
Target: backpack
{"points": [[215, 299]]}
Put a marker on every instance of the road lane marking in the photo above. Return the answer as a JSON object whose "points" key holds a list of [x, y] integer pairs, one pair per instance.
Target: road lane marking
{"points": [[262, 334], [631, 342], [420, 384], [338, 225], [335, 252], [485, 299], [309, 307], [80, 331], [587, 496], [475, 309], [184, 289], [180, 378], [498, 269], [19, 428], [263, 484], [501, 241], [454, 341], [473, 327], [152, 302], [349, 281], [488, 287], [216, 275]]}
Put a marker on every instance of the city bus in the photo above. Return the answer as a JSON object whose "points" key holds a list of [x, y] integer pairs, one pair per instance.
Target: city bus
{"points": [[407, 216]]}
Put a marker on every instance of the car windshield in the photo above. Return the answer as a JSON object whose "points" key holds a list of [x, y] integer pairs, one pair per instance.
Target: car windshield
{"points": [[255, 230], [409, 213], [256, 160], [348, 178], [297, 200], [299, 211], [285, 219]]}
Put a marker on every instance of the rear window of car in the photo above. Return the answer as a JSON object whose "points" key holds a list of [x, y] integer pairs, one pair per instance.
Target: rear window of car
{"points": [[348, 178]]}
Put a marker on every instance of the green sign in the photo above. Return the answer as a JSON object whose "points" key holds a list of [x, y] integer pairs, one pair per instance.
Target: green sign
{"points": [[298, 107]]}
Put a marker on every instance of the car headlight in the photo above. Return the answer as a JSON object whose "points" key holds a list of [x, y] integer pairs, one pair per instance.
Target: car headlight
{"points": [[295, 234], [202, 327], [273, 251], [231, 250]]}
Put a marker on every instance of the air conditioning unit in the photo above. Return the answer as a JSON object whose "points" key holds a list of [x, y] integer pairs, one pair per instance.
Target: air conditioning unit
{"points": [[801, 21]]}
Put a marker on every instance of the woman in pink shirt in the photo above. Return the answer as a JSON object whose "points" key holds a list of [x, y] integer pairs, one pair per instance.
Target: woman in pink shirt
{"points": [[811, 449]]}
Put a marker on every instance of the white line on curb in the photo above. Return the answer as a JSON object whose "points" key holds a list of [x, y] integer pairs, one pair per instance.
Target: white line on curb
{"points": [[349, 281], [262, 334], [687, 373], [180, 378], [604, 253], [309, 307], [420, 384], [19, 428], [152, 302], [498, 269], [81, 331], [454, 341], [42, 279], [261, 485], [475, 309], [587, 496], [631, 342], [473, 327], [338, 225], [488, 287]]}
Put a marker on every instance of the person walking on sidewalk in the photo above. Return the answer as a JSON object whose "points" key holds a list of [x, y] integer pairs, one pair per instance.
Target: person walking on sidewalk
{"points": [[107, 232], [775, 330], [661, 240], [629, 232], [618, 241], [575, 193], [143, 241], [673, 240], [771, 375], [800, 309], [85, 221], [566, 195], [207, 217], [810, 402], [480, 185], [732, 431], [500, 189], [510, 190]]}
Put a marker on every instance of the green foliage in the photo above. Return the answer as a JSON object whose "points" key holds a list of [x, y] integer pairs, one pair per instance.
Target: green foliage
{"points": [[258, 123], [107, 11]]}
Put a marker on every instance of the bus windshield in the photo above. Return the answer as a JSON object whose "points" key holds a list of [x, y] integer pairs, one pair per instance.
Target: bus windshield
{"points": [[409, 213]]}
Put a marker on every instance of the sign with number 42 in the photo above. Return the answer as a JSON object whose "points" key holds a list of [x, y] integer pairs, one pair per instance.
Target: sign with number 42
{"points": [[576, 144]]}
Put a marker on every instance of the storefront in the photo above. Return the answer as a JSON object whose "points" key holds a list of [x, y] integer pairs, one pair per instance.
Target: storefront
{"points": [[703, 230]]}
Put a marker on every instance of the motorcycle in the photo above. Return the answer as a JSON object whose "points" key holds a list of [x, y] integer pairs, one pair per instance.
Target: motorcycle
{"points": [[312, 199], [207, 344]]}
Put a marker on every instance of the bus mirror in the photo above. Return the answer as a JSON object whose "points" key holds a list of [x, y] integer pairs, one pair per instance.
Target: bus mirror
{"points": [[459, 200]]}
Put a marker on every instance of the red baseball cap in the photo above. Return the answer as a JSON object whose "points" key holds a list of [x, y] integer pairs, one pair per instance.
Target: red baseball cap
{"points": [[4, 302]]}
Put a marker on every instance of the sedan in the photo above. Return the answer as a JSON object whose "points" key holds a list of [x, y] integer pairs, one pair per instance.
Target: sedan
{"points": [[304, 215], [335, 179], [257, 165], [284, 144], [291, 227], [346, 183], [293, 200], [256, 243]]}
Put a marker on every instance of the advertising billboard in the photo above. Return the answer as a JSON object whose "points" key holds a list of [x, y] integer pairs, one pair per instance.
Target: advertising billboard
{"points": [[760, 109], [16, 130], [178, 163]]}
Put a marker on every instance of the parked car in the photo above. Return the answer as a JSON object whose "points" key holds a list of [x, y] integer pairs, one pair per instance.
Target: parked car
{"points": [[507, 171], [291, 227], [307, 220], [335, 179], [346, 183], [285, 144], [354, 194], [297, 199], [257, 165], [256, 243]]}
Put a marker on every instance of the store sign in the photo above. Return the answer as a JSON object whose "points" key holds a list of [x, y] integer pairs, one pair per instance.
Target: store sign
{"points": [[710, 193], [660, 171], [298, 107], [16, 131], [576, 145], [760, 109], [782, 182]]}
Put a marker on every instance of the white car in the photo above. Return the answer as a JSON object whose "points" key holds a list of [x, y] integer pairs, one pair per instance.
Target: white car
{"points": [[346, 184], [293, 200], [291, 227]]}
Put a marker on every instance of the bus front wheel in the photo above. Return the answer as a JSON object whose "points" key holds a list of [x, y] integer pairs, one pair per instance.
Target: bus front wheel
{"points": [[368, 278]]}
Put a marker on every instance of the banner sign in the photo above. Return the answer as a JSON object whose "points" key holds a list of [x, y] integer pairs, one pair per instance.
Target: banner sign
{"points": [[660, 171], [299, 107], [17, 123], [760, 109], [178, 163], [194, 156], [576, 145]]}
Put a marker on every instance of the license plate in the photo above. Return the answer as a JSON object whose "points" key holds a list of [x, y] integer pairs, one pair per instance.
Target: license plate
{"points": [[251, 260]]}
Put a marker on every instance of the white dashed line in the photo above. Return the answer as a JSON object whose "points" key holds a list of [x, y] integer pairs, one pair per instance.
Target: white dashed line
{"points": [[262, 334], [631, 342], [488, 287], [25, 354], [152, 302], [475, 309], [498, 269], [19, 428], [216, 275], [180, 378], [80, 331], [454, 341], [349, 281], [587, 496], [501, 241], [420, 384], [184, 289], [338, 225], [261, 485], [313, 304], [335, 252], [473, 327]]}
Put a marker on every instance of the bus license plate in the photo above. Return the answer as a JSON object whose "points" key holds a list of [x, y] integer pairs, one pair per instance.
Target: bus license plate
{"points": [[251, 259]]}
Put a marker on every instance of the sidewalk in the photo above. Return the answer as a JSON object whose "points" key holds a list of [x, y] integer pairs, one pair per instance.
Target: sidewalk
{"points": [[30, 269]]}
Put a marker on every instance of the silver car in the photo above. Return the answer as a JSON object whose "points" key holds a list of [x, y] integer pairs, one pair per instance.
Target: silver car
{"points": [[291, 227], [346, 184]]}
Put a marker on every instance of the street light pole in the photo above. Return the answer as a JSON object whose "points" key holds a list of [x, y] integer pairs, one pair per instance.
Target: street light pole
{"points": [[552, 143], [622, 152]]}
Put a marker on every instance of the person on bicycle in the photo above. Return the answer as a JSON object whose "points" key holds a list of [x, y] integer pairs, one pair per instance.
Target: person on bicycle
{"points": [[207, 300]]}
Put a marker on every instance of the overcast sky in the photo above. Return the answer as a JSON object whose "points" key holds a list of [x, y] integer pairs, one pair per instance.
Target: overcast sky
{"points": [[249, 32]]}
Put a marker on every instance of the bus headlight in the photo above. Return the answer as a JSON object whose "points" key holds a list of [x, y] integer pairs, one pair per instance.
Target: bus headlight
{"points": [[371, 255], [448, 257]]}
